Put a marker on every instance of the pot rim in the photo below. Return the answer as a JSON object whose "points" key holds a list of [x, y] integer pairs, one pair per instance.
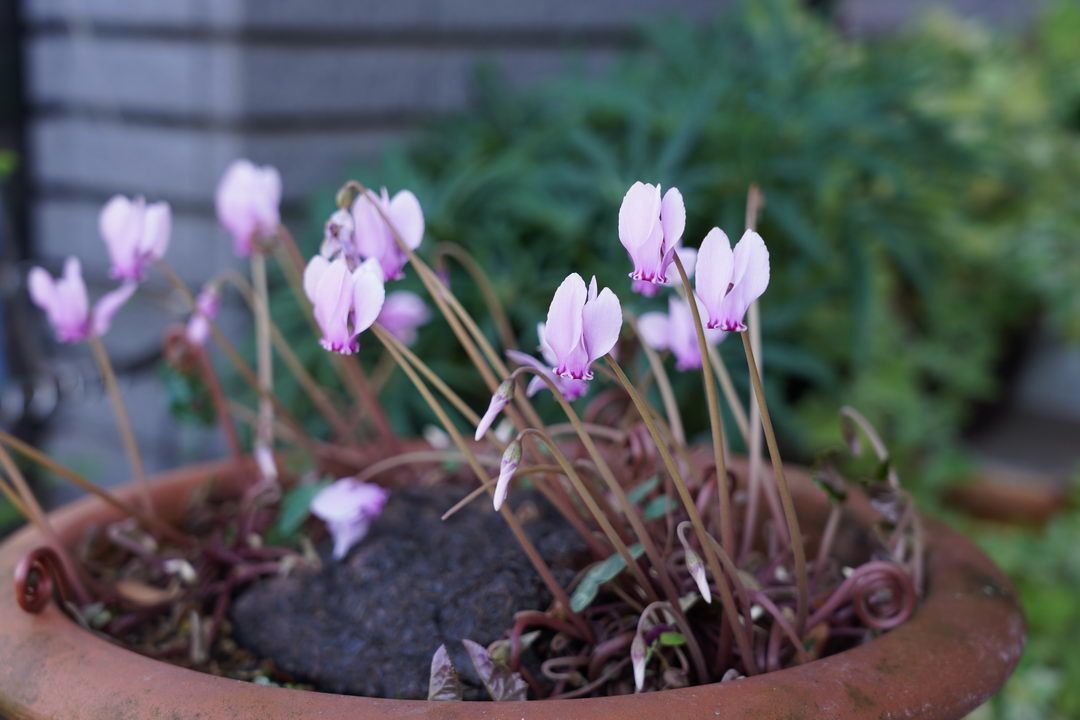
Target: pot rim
{"points": [[958, 649]]}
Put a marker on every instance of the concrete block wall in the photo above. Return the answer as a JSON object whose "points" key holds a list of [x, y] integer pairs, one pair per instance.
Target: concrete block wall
{"points": [[156, 97]]}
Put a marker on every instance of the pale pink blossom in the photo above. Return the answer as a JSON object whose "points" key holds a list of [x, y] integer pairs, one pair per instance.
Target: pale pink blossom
{"points": [[135, 234], [582, 326], [675, 331], [67, 306], [374, 238], [729, 281], [650, 227], [688, 256], [402, 315], [338, 235], [348, 507], [206, 310], [248, 200], [345, 302]]}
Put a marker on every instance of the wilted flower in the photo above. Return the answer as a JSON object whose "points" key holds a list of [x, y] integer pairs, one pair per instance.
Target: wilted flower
{"points": [[67, 307], [402, 313], [373, 237], [650, 228], [675, 331], [511, 459], [247, 200], [135, 234], [206, 310], [502, 397], [728, 282], [582, 326], [348, 507], [345, 303]]}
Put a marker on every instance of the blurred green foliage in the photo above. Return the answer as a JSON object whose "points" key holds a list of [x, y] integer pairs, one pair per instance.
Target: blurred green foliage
{"points": [[1045, 568], [919, 199]]}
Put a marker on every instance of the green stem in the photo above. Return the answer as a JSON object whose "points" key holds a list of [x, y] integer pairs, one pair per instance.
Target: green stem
{"points": [[798, 551]]}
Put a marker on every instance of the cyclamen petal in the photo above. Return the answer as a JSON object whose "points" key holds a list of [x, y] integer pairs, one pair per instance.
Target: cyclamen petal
{"points": [[402, 314], [348, 507], [601, 324], [570, 389], [345, 303], [248, 200], [135, 235], [750, 278], [715, 262], [374, 237], [67, 306], [562, 331], [369, 294], [675, 331]]}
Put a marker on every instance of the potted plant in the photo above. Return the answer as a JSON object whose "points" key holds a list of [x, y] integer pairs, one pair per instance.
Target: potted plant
{"points": [[626, 571]]}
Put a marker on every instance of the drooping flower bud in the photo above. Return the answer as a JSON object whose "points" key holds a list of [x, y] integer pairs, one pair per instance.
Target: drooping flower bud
{"points": [[347, 195], [502, 397], [511, 459], [694, 563], [638, 651]]}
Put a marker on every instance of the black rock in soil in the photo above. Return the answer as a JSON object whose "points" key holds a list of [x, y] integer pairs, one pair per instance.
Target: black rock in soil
{"points": [[369, 625]]}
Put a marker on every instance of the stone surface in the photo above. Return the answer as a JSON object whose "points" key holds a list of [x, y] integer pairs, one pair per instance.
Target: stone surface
{"points": [[370, 624]]}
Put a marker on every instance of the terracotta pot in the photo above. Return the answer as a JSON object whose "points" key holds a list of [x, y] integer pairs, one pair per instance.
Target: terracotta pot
{"points": [[956, 651]]}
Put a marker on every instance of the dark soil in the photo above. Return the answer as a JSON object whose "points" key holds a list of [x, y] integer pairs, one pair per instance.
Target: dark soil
{"points": [[368, 625]]}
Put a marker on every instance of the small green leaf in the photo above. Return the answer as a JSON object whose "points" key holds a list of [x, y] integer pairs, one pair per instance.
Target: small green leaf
{"points": [[659, 507], [637, 494], [295, 508], [599, 574], [672, 639]]}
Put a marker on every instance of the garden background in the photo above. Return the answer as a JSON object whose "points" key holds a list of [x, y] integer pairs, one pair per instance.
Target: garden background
{"points": [[920, 161]]}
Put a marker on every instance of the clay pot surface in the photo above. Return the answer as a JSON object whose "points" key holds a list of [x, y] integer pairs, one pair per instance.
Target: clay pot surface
{"points": [[953, 655]]}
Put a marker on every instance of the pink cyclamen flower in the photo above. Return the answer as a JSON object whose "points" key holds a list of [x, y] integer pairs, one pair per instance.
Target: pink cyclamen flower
{"points": [[582, 326], [650, 227], [728, 282], [345, 302], [67, 306], [373, 237], [206, 310], [248, 200], [402, 314], [675, 331], [135, 234], [348, 508]]}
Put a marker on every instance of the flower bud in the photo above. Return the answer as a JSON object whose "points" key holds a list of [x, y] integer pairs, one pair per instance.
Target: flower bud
{"points": [[347, 195], [637, 659], [511, 459], [502, 397]]}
